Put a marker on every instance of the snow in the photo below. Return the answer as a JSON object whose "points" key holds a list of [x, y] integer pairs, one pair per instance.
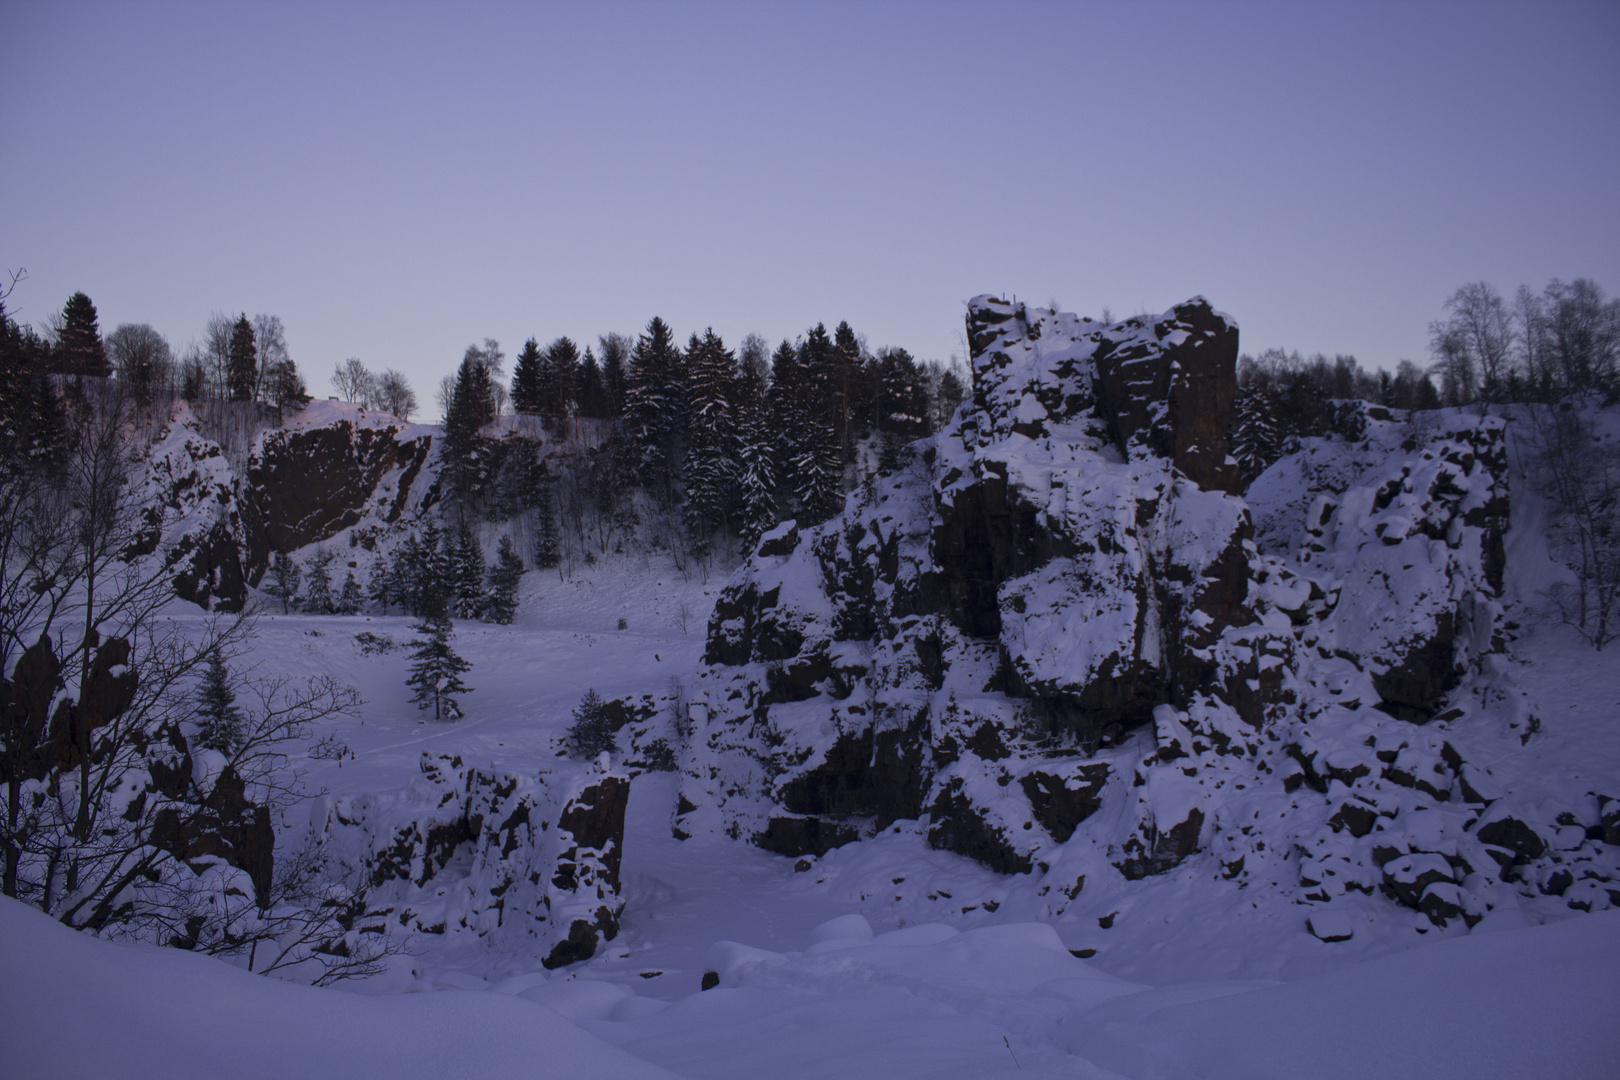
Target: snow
{"points": [[888, 958]]}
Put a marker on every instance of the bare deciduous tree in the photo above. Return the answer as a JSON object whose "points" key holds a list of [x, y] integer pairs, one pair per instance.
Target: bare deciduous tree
{"points": [[394, 394]]}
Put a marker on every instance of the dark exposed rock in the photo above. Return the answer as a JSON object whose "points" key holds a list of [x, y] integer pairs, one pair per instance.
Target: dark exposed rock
{"points": [[956, 824], [305, 484], [1161, 849], [1514, 835], [1060, 803], [794, 836]]}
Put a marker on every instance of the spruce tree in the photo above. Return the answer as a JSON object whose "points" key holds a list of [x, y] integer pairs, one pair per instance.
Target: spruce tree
{"points": [[220, 724], [615, 358], [547, 544], [436, 670], [652, 406], [380, 585], [590, 397], [79, 349], [711, 455], [472, 406], [526, 379], [242, 375], [318, 597], [757, 476], [559, 377], [467, 568], [284, 578], [349, 600], [504, 578], [592, 730]]}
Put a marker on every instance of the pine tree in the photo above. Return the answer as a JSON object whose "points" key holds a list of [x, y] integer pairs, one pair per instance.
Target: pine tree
{"points": [[318, 589], [33, 426], [902, 405], [284, 578], [547, 544], [526, 379], [350, 598], [757, 476], [467, 567], [1255, 438], [436, 670], [558, 383], [711, 457], [592, 401], [615, 356], [220, 724], [79, 350], [380, 585], [592, 730], [844, 386], [243, 374], [817, 463], [652, 406], [504, 578], [472, 406]]}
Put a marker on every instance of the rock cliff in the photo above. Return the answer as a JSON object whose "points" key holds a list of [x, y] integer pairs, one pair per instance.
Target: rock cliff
{"points": [[1053, 638]]}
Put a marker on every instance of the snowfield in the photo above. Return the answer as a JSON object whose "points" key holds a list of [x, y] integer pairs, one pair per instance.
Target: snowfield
{"points": [[885, 959]]}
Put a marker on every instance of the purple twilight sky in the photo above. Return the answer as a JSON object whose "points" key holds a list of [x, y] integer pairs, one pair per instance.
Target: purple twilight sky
{"points": [[397, 181]]}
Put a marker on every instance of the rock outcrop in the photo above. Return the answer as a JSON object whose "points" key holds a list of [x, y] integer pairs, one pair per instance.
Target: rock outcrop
{"points": [[525, 862], [307, 482], [1052, 638]]}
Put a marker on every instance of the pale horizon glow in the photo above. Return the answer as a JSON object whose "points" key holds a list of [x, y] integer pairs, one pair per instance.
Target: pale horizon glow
{"points": [[399, 181]]}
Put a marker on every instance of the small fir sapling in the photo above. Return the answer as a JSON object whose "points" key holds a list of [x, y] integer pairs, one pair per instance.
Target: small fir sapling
{"points": [[220, 724], [504, 577], [592, 730], [284, 578], [318, 592], [350, 598], [436, 670]]}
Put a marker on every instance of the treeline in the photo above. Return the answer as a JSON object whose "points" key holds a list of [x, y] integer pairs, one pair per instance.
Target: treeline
{"points": [[714, 442], [1487, 351]]}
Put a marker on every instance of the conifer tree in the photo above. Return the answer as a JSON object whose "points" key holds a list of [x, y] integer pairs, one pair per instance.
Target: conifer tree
{"points": [[436, 669], [710, 458], [284, 578], [817, 462], [242, 375], [903, 405], [472, 406], [592, 730], [559, 375], [504, 578], [220, 724], [79, 349], [591, 397], [652, 406], [615, 359], [1255, 438], [467, 569], [33, 429], [757, 476], [380, 585], [547, 544], [349, 600], [318, 597], [526, 379]]}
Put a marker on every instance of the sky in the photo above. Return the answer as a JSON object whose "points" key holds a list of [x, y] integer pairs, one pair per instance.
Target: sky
{"points": [[398, 181]]}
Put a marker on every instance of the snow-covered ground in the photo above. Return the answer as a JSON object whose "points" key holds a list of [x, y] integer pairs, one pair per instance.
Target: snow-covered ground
{"points": [[882, 959]]}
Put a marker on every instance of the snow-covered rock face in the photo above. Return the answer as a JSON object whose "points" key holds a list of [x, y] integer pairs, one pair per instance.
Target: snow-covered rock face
{"points": [[1052, 637], [522, 861], [1056, 564], [327, 471]]}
